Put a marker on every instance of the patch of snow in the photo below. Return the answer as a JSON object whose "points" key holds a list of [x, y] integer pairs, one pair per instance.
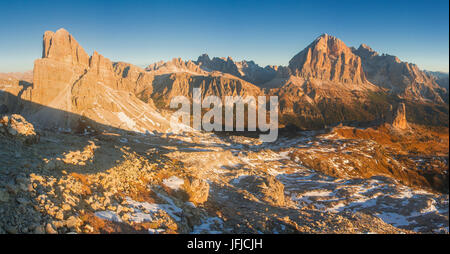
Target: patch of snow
{"points": [[126, 120], [145, 211], [206, 225], [394, 218], [108, 215], [239, 178], [155, 231], [173, 182]]}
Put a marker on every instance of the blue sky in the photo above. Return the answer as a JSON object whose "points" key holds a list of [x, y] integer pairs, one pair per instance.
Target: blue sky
{"points": [[268, 32]]}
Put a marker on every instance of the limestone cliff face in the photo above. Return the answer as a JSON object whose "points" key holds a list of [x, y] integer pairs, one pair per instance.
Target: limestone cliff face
{"points": [[178, 78], [69, 85], [62, 47], [402, 78], [63, 62], [135, 79], [329, 59]]}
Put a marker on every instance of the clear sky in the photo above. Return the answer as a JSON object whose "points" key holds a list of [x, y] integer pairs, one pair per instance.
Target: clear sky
{"points": [[268, 32]]}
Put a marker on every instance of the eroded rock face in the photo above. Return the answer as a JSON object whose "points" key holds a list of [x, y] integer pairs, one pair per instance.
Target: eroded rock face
{"points": [[399, 119], [402, 78], [268, 188], [328, 58], [69, 85], [18, 128], [62, 46], [167, 87], [63, 62]]}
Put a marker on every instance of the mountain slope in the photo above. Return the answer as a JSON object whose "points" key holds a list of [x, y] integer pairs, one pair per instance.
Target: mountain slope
{"points": [[402, 78]]}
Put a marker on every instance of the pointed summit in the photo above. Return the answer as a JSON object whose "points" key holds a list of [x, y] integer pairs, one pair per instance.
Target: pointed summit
{"points": [[204, 58], [399, 118], [329, 59], [367, 47], [365, 51]]}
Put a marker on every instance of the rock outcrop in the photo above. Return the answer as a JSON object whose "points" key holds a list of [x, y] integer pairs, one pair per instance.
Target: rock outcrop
{"points": [[399, 118], [16, 127], [267, 188]]}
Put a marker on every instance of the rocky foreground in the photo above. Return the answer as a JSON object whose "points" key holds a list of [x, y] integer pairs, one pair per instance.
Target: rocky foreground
{"points": [[309, 182]]}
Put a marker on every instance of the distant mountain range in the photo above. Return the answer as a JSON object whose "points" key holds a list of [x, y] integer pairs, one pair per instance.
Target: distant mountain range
{"points": [[441, 78], [326, 83]]}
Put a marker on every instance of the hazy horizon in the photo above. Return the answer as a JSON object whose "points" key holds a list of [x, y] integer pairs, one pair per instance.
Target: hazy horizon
{"points": [[142, 33]]}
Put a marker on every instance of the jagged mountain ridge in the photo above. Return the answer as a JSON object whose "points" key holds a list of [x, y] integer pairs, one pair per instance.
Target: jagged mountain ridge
{"points": [[326, 83], [402, 78], [327, 59]]}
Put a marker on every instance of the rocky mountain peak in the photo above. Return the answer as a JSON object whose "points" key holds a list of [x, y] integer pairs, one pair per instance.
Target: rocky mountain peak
{"points": [[330, 44], [329, 59], [365, 51], [203, 58], [98, 62], [367, 47], [62, 47]]}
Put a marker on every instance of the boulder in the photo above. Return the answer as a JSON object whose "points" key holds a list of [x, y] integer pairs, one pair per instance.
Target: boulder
{"points": [[267, 188], [17, 127], [189, 189]]}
